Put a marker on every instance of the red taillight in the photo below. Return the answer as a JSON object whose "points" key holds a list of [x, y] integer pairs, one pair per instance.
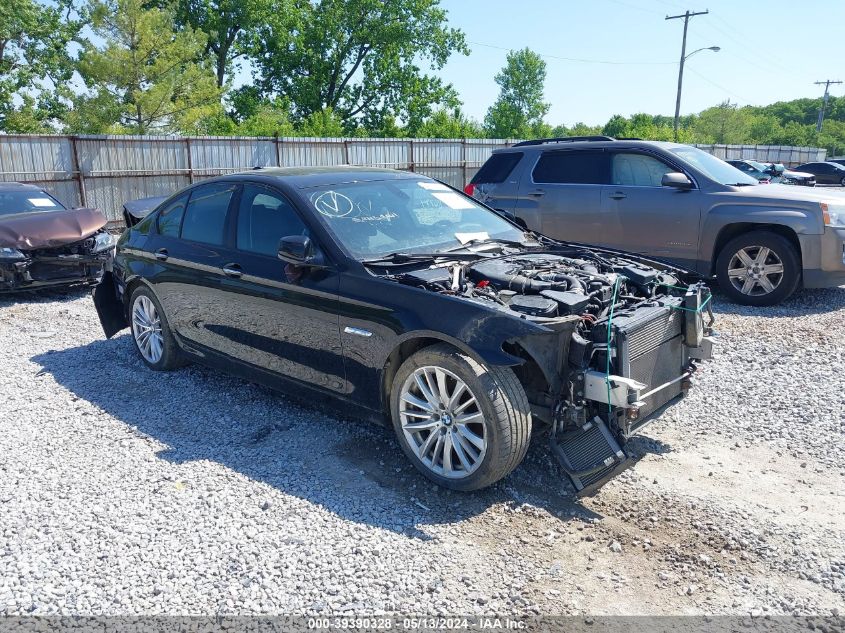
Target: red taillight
{"points": [[469, 189]]}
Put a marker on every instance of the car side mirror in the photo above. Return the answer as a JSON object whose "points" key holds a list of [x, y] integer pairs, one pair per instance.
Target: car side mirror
{"points": [[676, 180], [300, 251]]}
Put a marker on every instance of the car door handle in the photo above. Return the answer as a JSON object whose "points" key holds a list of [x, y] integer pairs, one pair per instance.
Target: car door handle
{"points": [[539, 193], [161, 254], [232, 270], [618, 195]]}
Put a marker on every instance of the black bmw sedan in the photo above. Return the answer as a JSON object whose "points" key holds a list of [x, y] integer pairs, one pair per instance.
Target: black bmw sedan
{"points": [[411, 302]]}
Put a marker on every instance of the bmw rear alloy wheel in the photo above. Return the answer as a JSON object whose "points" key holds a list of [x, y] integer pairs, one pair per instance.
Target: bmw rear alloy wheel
{"points": [[146, 328], [151, 331]]}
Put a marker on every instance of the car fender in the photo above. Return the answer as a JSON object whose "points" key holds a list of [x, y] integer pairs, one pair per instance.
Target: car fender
{"points": [[718, 218]]}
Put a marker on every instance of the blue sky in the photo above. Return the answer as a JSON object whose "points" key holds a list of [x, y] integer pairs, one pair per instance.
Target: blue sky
{"points": [[770, 51]]}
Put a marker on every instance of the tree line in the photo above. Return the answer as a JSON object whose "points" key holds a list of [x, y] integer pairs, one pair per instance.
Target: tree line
{"points": [[317, 68]]}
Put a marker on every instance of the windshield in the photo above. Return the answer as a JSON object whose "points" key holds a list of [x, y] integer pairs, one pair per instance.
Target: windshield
{"points": [[372, 219], [26, 201], [712, 167]]}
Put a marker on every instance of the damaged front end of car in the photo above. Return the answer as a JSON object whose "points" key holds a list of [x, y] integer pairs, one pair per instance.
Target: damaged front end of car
{"points": [[620, 342], [42, 250]]}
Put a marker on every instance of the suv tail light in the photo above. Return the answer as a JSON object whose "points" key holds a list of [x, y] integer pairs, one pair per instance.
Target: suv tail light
{"points": [[469, 189]]}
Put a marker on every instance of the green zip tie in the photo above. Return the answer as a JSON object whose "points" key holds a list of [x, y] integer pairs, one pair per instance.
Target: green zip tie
{"points": [[607, 352], [697, 310]]}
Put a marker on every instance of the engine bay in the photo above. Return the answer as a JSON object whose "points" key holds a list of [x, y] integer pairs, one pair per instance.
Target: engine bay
{"points": [[542, 286]]}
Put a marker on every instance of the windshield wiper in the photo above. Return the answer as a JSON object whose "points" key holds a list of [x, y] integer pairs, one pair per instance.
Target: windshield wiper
{"points": [[492, 240], [739, 184], [404, 258], [400, 258]]}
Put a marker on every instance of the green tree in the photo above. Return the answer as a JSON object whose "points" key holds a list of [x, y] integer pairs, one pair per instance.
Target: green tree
{"points": [[35, 62], [145, 76], [450, 124], [225, 24], [361, 58], [724, 124], [324, 123], [519, 110], [582, 129]]}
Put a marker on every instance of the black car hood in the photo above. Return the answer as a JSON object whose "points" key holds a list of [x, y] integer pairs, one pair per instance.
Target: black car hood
{"points": [[47, 229]]}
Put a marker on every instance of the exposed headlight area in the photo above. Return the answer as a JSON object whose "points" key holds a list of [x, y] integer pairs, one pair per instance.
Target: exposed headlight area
{"points": [[11, 254], [833, 214], [103, 241]]}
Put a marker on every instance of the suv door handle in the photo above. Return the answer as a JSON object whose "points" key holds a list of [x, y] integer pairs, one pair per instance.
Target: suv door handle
{"points": [[232, 270], [618, 195], [537, 193], [161, 254]]}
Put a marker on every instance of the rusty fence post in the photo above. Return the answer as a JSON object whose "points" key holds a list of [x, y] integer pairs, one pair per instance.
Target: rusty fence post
{"points": [[77, 168], [464, 162], [411, 165], [190, 161]]}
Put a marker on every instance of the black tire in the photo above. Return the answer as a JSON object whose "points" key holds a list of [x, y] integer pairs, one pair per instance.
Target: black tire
{"points": [[171, 357], [842, 182], [780, 247], [501, 400]]}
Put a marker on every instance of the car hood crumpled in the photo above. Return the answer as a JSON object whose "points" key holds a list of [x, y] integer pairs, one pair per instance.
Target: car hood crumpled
{"points": [[47, 229]]}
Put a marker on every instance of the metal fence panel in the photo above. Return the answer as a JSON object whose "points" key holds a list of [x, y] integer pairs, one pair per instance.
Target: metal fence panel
{"points": [[27, 158], [106, 171]]}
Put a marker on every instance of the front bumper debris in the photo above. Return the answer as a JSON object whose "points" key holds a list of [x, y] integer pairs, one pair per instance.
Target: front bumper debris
{"points": [[654, 351], [44, 270]]}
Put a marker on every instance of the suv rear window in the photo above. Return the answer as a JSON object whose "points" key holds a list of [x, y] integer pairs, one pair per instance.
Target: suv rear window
{"points": [[571, 167], [497, 168]]}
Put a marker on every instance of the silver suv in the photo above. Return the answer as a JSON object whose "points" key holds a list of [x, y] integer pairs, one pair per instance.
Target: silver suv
{"points": [[676, 203]]}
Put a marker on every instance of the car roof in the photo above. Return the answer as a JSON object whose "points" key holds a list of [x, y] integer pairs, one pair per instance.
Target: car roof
{"points": [[305, 177], [18, 186], [596, 142]]}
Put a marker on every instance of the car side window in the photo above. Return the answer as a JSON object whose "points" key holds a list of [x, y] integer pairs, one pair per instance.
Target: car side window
{"points": [[638, 170], [264, 218], [205, 214], [571, 167], [169, 219]]}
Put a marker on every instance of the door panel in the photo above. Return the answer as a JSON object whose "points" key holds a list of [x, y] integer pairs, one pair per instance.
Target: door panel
{"points": [[562, 197], [272, 315], [282, 320], [187, 277], [653, 220]]}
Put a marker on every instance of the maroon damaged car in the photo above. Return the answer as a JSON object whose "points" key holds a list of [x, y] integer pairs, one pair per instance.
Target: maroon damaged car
{"points": [[43, 243]]}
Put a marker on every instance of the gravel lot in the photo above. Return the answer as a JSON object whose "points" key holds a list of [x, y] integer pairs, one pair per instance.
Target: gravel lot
{"points": [[124, 491]]}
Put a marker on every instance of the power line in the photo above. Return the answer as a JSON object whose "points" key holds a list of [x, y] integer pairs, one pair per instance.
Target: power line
{"points": [[577, 59], [719, 86], [826, 84]]}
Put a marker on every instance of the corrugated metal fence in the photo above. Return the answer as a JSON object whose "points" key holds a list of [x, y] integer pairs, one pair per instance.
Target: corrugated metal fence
{"points": [[106, 171]]}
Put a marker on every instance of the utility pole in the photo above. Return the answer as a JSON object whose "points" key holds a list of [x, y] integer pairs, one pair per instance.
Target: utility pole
{"points": [[826, 84], [686, 16]]}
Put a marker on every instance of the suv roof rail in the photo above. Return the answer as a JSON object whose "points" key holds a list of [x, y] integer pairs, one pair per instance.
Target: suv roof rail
{"points": [[563, 139]]}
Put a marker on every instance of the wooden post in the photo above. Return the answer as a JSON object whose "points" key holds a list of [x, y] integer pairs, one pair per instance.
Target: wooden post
{"points": [[411, 155], [346, 152], [77, 167], [190, 161], [464, 160], [278, 149]]}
